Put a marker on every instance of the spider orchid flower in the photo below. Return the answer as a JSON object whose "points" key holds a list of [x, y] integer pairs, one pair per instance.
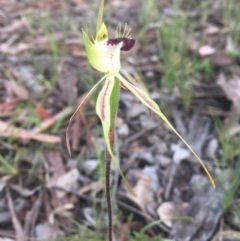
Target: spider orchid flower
{"points": [[103, 54]]}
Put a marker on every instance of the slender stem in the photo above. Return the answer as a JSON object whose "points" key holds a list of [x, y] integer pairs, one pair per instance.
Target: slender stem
{"points": [[114, 99], [108, 196], [108, 185]]}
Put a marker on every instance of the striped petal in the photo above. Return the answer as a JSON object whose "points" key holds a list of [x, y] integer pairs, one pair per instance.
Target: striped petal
{"points": [[80, 105], [148, 102], [105, 113]]}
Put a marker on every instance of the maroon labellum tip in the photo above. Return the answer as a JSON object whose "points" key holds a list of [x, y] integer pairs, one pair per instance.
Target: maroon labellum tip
{"points": [[128, 43]]}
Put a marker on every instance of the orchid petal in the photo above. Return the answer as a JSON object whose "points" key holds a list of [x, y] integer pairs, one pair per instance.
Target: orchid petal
{"points": [[148, 102], [106, 114], [135, 79], [128, 43], [80, 105]]}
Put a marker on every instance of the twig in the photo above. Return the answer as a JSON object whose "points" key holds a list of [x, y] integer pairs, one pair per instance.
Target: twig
{"points": [[35, 134], [134, 137], [17, 225], [31, 216], [51, 121], [8, 131]]}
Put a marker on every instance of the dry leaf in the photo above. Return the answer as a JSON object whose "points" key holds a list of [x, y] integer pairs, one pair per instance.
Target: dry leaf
{"points": [[231, 88], [10, 131], [50, 122], [220, 59], [56, 165], [170, 210], [16, 223], [66, 181], [8, 105], [47, 231], [42, 112], [13, 87], [143, 191]]}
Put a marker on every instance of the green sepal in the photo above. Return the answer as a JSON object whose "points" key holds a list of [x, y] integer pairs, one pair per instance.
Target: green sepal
{"points": [[114, 101], [80, 106], [148, 102], [95, 55], [100, 17]]}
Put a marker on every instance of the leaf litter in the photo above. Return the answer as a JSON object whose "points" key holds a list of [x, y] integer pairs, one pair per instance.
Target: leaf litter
{"points": [[43, 71]]}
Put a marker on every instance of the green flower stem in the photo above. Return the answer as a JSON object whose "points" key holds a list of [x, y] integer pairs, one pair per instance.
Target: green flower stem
{"points": [[108, 185], [114, 100]]}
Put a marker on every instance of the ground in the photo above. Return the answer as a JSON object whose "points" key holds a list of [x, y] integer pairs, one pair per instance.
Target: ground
{"points": [[186, 56]]}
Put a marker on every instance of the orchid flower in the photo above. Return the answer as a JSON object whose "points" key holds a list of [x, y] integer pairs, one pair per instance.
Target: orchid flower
{"points": [[103, 54]]}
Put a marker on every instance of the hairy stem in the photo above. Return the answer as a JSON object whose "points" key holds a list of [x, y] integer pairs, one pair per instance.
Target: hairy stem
{"points": [[108, 185], [114, 99], [108, 196]]}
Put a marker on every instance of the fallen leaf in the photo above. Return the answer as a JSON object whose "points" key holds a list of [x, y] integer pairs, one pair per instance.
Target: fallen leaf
{"points": [[66, 181], [167, 211], [47, 231], [220, 59], [75, 47], [50, 122], [16, 223], [60, 210], [93, 186], [16, 25], [13, 87], [42, 112], [205, 208], [6, 239], [32, 215], [55, 162], [14, 50], [211, 30], [9, 105], [67, 82], [9, 131], [231, 88], [142, 190]]}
